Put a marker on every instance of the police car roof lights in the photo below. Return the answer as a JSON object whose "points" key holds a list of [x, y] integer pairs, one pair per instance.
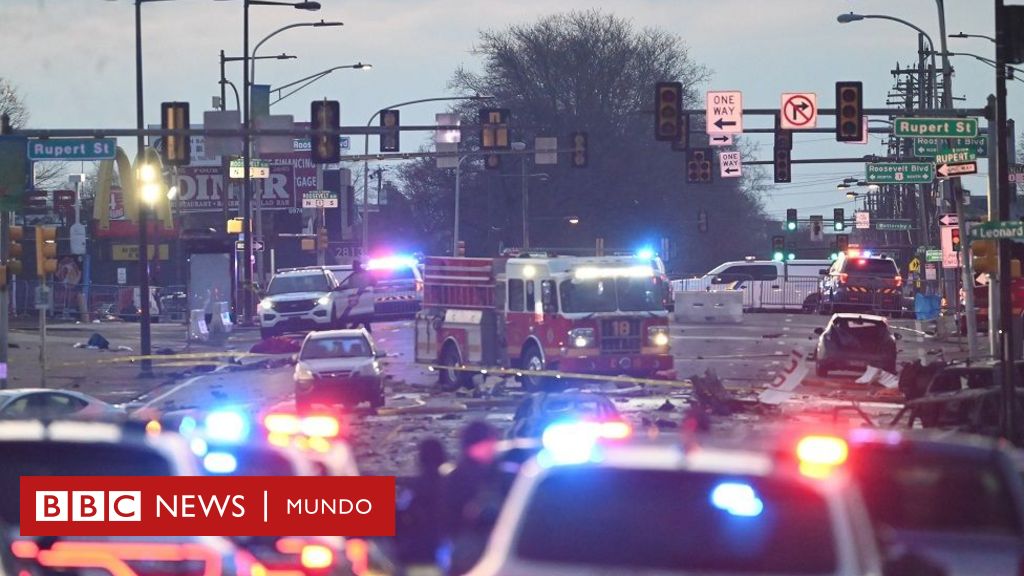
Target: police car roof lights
{"points": [[820, 455], [391, 263], [575, 442], [220, 463], [226, 426], [737, 498]]}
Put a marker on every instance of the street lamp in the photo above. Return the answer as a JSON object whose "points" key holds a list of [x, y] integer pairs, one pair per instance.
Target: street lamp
{"points": [[962, 35], [223, 80], [247, 285], [852, 17], [313, 78], [366, 153]]}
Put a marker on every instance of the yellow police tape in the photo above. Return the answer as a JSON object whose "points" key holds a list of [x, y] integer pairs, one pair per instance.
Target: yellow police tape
{"points": [[171, 359], [557, 375]]}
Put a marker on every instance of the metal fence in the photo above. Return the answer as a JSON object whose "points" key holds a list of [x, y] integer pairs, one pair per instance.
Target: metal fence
{"points": [[104, 300], [782, 293]]}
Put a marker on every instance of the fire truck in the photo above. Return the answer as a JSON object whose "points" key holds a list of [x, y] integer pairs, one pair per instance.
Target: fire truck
{"points": [[589, 315]]}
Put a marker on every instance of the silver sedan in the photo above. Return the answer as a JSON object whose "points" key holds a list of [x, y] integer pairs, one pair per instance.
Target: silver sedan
{"points": [[48, 403]]}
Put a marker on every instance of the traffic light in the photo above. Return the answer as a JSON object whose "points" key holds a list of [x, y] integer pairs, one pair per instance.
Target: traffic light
{"points": [[177, 149], [983, 256], [849, 111], [389, 137], [12, 266], [494, 134], [781, 164], [698, 166], [838, 220], [325, 115], [778, 248], [791, 220], [954, 238], [702, 221], [783, 137], [682, 142], [817, 233], [842, 243], [668, 111], [579, 150], [321, 238], [46, 251]]}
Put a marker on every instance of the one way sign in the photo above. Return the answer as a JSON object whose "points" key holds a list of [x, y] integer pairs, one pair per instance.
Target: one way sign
{"points": [[730, 165], [724, 112]]}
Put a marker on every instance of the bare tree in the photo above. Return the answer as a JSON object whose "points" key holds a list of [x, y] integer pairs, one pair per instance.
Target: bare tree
{"points": [[48, 174]]}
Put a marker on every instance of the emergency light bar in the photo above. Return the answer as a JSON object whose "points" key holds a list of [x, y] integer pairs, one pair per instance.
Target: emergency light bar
{"points": [[593, 273], [391, 263]]}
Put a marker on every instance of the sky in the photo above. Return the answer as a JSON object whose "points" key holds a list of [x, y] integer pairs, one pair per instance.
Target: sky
{"points": [[73, 60]]}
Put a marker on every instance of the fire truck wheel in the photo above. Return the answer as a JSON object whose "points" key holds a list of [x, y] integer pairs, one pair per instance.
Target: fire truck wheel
{"points": [[453, 379], [533, 362]]}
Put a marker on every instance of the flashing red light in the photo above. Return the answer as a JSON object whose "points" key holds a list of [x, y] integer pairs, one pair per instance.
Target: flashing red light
{"points": [[24, 549], [899, 281], [843, 277], [615, 430], [819, 455]]}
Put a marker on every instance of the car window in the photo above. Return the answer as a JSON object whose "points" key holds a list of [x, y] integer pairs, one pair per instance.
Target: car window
{"points": [[651, 520], [43, 404], [746, 273], [298, 283], [341, 275], [575, 406], [344, 347], [30, 458], [902, 489], [870, 267], [547, 296], [531, 296]]}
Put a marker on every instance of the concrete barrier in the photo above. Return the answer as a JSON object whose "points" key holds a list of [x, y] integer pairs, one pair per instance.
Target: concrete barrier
{"points": [[220, 321], [725, 307], [197, 331]]}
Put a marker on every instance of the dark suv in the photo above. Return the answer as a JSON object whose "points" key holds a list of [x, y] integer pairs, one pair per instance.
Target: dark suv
{"points": [[860, 283]]}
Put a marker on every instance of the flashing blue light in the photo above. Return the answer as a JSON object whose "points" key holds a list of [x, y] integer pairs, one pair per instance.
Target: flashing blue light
{"points": [[187, 426], [737, 499], [570, 442], [226, 426], [866, 254], [220, 463], [391, 263], [646, 253], [198, 446]]}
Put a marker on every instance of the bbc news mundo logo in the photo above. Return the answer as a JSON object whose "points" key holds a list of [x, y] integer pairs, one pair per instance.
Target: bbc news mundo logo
{"points": [[89, 506]]}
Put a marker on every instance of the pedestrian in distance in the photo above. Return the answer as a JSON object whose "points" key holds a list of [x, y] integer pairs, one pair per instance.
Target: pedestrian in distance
{"points": [[472, 492], [419, 532]]}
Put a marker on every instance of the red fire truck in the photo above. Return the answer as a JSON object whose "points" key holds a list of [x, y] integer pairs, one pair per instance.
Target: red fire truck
{"points": [[590, 315]]}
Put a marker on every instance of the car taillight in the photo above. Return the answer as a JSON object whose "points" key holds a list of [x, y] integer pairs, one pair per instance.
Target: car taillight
{"points": [[316, 556], [843, 277], [899, 281]]}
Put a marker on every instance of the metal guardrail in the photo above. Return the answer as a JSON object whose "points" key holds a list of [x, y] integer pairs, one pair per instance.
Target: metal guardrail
{"points": [[105, 300]]}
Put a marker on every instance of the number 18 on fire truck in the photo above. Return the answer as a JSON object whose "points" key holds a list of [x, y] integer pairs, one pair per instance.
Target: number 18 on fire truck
{"points": [[576, 315]]}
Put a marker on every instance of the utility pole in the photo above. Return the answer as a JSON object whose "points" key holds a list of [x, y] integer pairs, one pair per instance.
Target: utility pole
{"points": [[1002, 199], [5, 240]]}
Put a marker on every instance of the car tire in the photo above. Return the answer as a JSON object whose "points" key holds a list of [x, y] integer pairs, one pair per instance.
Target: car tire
{"points": [[451, 380], [820, 369], [532, 361]]}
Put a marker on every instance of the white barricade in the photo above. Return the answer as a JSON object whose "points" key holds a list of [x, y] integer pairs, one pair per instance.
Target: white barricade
{"points": [[719, 307], [220, 321], [197, 330]]}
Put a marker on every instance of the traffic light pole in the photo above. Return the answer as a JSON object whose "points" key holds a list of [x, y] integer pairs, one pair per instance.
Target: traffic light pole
{"points": [[5, 236]]}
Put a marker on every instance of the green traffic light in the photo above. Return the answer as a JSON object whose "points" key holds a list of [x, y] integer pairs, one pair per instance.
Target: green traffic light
{"points": [[790, 226], [834, 256], [791, 256], [840, 226], [778, 256]]}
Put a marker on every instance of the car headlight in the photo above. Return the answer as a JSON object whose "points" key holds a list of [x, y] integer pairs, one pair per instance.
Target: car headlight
{"points": [[302, 372], [323, 300], [267, 304], [581, 337], [658, 335]]}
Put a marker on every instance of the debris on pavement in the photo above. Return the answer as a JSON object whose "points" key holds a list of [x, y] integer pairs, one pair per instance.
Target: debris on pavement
{"points": [[277, 345], [709, 392], [875, 375]]}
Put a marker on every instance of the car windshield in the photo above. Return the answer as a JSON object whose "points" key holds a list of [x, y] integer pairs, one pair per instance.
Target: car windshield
{"points": [[71, 459], [585, 407], [637, 520], [910, 491], [613, 294], [344, 347], [859, 333], [341, 275], [293, 283], [871, 267]]}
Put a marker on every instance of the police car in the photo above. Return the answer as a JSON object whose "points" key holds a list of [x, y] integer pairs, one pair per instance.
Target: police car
{"points": [[314, 299]]}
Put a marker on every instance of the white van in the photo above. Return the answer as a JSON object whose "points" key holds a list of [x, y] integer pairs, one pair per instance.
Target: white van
{"points": [[767, 284]]}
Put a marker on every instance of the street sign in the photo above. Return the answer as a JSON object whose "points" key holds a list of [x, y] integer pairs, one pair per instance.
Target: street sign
{"points": [[900, 173], [950, 170], [319, 200], [928, 147], [955, 156], [724, 112], [44, 297], [933, 256], [934, 127], [1016, 173], [893, 225], [914, 265], [257, 246], [799, 111], [1013, 230], [720, 139], [546, 150], [730, 165], [257, 169], [949, 220], [863, 220], [72, 149]]}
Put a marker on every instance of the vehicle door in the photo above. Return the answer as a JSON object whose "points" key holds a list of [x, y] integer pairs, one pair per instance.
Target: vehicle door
{"points": [[354, 297], [738, 277]]}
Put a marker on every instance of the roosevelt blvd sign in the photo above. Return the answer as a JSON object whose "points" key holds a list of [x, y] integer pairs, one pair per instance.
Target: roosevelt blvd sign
{"points": [[1013, 230], [925, 147], [900, 173], [933, 127]]}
